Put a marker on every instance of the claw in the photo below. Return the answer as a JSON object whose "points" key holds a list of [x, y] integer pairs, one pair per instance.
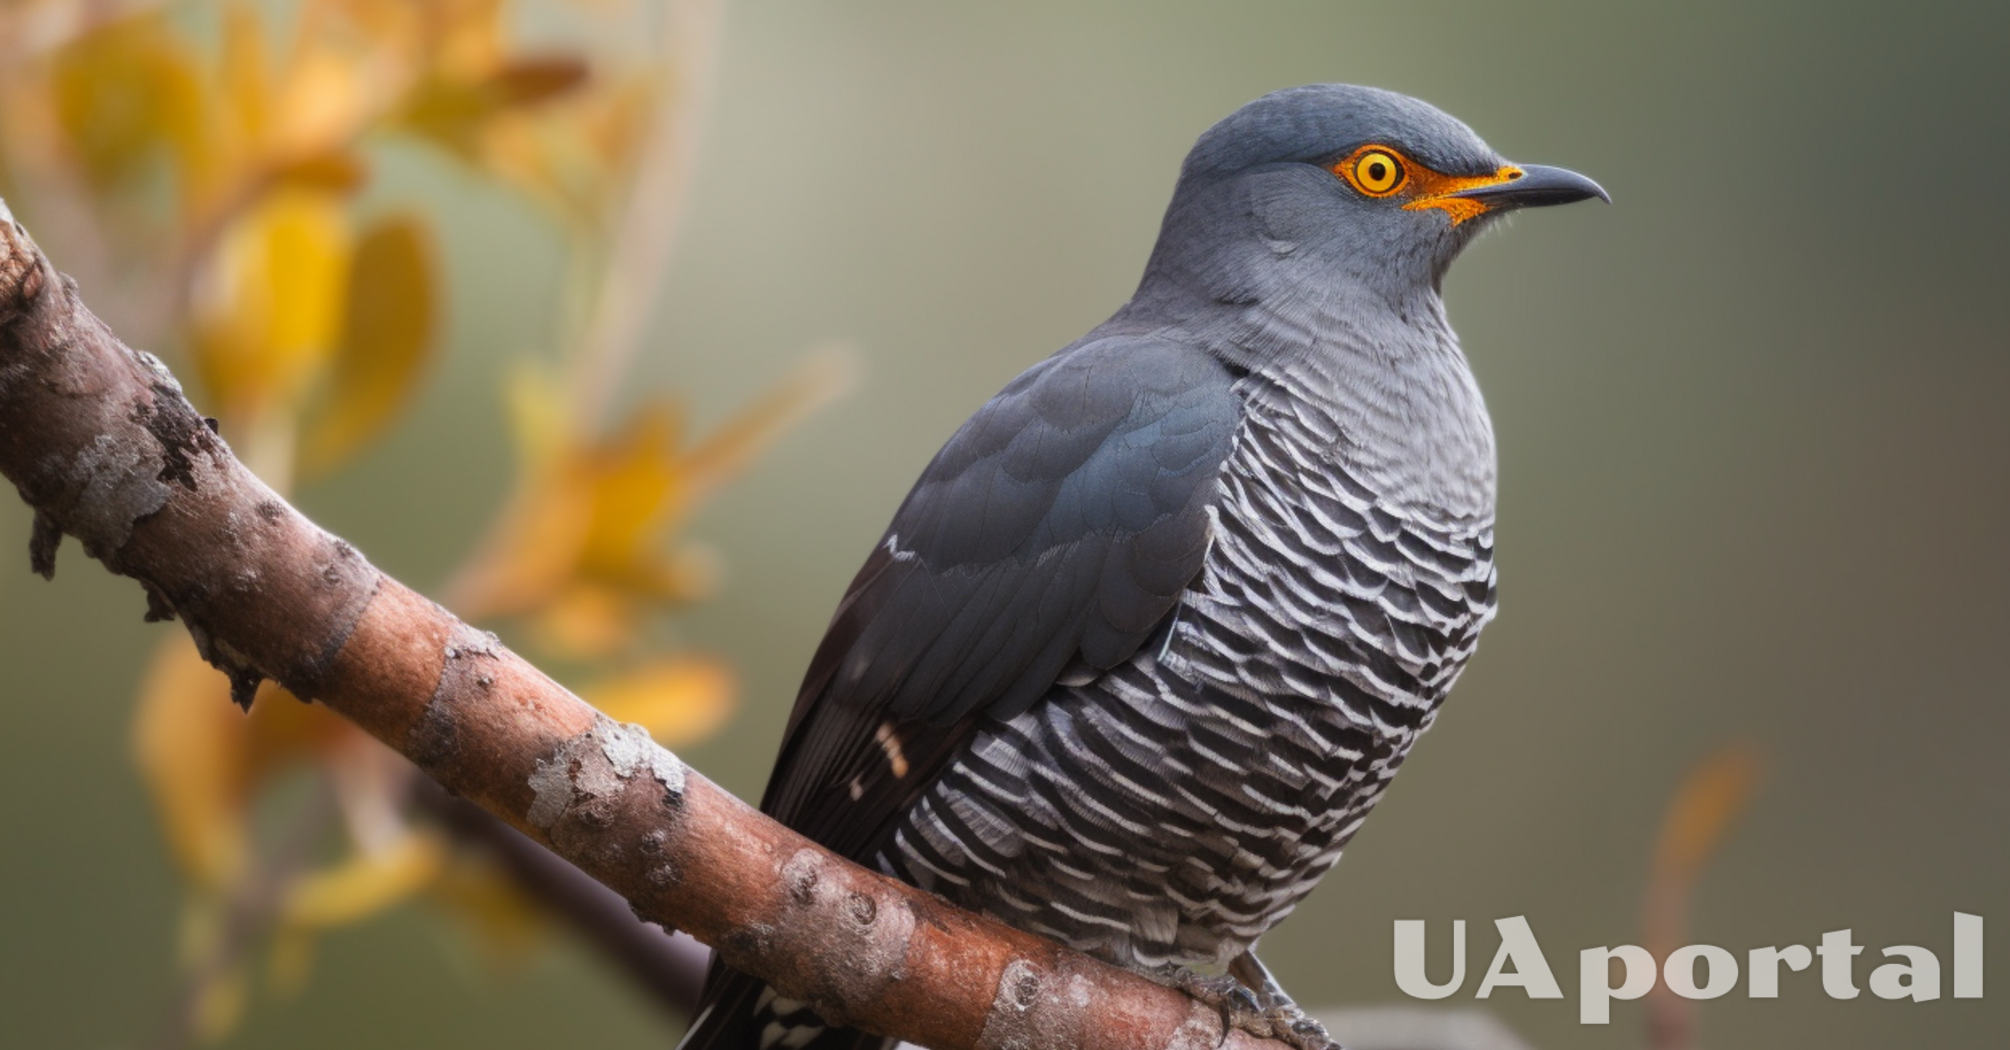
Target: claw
{"points": [[1293, 1026], [1222, 991], [1282, 1018], [1266, 1013]]}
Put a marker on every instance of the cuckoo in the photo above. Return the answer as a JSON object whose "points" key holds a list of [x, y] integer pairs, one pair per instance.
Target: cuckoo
{"points": [[1155, 629]]}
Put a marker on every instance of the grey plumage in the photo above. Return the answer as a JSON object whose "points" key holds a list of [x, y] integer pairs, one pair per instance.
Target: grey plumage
{"points": [[1172, 809], [1158, 625]]}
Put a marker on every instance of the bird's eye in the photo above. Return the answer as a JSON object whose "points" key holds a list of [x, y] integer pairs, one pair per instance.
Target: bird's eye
{"points": [[1377, 173]]}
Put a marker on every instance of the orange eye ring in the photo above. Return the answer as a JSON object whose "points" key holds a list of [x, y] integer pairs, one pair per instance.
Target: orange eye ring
{"points": [[1375, 171]]}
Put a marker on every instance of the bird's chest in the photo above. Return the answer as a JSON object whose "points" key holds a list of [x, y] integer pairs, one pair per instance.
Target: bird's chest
{"points": [[1340, 613]]}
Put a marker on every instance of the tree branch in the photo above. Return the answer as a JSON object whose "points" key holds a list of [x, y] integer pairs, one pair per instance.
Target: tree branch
{"points": [[101, 443]]}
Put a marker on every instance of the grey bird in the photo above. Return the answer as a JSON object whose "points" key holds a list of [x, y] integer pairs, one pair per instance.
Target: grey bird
{"points": [[1155, 629]]}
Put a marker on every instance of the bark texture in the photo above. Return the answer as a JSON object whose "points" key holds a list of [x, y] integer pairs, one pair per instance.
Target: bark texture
{"points": [[102, 444]]}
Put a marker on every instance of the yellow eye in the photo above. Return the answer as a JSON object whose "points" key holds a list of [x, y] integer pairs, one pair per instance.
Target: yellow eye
{"points": [[1377, 173]]}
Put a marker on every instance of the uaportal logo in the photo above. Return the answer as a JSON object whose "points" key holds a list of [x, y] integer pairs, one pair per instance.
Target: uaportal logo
{"points": [[1520, 963]]}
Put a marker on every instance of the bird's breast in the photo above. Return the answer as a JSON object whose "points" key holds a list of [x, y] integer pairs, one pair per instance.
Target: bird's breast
{"points": [[1380, 391], [1323, 586]]}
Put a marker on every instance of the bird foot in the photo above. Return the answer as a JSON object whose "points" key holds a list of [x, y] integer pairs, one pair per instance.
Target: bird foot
{"points": [[1289, 1024], [1221, 991], [1241, 1010]]}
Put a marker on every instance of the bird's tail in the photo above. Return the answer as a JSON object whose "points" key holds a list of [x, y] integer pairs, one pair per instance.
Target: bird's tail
{"points": [[739, 1012]]}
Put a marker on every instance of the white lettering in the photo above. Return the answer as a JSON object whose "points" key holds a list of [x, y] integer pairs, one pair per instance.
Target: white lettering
{"points": [[1695, 971], [1765, 966], [1918, 976], [1531, 969], [1967, 956], [1837, 952], [1594, 980], [1410, 969], [1720, 969]]}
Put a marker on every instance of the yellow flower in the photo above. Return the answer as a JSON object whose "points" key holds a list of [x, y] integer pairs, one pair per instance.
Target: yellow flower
{"points": [[268, 305], [679, 699], [580, 547]]}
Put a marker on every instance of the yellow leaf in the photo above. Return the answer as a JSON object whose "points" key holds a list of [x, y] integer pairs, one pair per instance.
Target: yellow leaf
{"points": [[191, 745], [576, 155], [542, 159], [496, 910], [364, 884], [387, 331], [585, 514], [333, 173], [581, 544], [536, 407], [532, 549], [247, 78], [268, 304], [322, 104], [123, 93], [637, 489], [526, 81], [201, 934], [470, 36], [592, 619], [286, 732], [291, 960], [679, 700], [456, 111], [1709, 801], [219, 1004], [384, 20], [585, 622], [1703, 810], [307, 247], [202, 758]]}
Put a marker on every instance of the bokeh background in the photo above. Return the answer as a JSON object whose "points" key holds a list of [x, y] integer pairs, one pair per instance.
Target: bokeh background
{"points": [[1754, 423]]}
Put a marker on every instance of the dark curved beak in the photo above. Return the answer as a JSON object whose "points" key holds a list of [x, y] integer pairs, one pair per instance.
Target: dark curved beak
{"points": [[1539, 186]]}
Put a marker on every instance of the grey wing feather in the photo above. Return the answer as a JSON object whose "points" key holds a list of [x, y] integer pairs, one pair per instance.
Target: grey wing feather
{"points": [[1060, 524]]}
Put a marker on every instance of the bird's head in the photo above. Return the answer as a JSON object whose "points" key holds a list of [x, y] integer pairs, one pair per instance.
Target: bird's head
{"points": [[1343, 183]]}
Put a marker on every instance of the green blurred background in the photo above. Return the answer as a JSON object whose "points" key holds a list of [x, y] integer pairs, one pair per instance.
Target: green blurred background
{"points": [[1753, 435]]}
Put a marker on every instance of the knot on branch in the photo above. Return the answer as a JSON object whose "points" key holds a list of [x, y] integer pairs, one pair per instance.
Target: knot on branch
{"points": [[862, 941], [582, 792], [588, 772]]}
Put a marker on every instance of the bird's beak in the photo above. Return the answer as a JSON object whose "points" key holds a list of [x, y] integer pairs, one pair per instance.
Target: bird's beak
{"points": [[1536, 186]]}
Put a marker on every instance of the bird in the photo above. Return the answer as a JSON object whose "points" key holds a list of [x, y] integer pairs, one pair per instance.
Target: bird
{"points": [[1155, 629]]}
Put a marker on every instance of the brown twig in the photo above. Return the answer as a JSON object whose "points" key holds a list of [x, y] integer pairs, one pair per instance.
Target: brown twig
{"points": [[668, 967], [99, 440], [247, 915]]}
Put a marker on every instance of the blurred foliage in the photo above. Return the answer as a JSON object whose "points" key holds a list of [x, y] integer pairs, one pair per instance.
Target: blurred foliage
{"points": [[1714, 793], [208, 162]]}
